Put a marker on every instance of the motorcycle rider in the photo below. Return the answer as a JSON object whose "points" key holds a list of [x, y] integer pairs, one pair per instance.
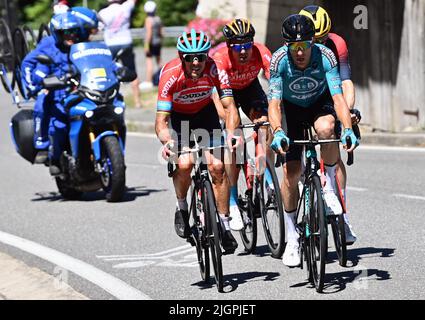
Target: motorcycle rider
{"points": [[66, 30]]}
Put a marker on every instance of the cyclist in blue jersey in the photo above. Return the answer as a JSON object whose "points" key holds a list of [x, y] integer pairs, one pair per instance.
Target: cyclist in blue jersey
{"points": [[322, 24], [304, 78]]}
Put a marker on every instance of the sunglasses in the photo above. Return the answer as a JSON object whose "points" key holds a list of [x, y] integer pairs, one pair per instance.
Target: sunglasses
{"points": [[239, 46], [190, 57], [300, 45]]}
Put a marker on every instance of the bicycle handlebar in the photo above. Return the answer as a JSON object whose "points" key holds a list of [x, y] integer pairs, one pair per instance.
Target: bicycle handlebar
{"points": [[254, 125]]}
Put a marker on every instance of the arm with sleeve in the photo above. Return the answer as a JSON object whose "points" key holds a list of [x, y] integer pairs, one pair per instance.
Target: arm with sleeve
{"points": [[265, 58]]}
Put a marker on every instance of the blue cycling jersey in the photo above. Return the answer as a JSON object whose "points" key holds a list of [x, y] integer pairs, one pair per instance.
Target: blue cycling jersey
{"points": [[304, 87]]}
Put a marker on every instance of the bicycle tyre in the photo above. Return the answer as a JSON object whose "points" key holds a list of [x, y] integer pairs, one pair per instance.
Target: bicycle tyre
{"points": [[338, 232], [43, 31], [213, 233], [274, 224], [199, 234], [246, 206], [318, 238], [7, 55], [21, 50], [30, 35]]}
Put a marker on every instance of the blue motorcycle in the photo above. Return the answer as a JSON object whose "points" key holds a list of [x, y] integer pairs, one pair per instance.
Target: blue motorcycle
{"points": [[94, 155]]}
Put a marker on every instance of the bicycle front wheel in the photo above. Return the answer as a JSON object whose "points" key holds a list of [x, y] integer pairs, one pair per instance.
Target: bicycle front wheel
{"points": [[199, 233], [338, 231], [246, 206], [213, 233], [317, 233], [272, 213]]}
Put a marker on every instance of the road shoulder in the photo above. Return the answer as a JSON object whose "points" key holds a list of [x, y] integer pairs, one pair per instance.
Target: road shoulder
{"points": [[18, 281]]}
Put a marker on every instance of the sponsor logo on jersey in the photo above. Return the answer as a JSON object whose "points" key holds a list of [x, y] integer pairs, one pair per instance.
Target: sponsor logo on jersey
{"points": [[192, 95], [167, 86], [223, 77], [268, 58], [91, 52], [329, 55], [277, 57], [244, 76], [303, 85]]}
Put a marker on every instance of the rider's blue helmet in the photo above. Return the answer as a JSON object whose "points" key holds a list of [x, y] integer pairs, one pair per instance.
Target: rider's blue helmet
{"points": [[88, 18], [193, 42], [66, 26]]}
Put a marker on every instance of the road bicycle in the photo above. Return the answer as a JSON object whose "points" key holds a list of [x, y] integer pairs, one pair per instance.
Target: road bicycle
{"points": [[258, 199], [312, 223], [206, 226], [7, 59]]}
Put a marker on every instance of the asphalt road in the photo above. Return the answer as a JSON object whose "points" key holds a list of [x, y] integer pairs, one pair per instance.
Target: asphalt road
{"points": [[130, 249]]}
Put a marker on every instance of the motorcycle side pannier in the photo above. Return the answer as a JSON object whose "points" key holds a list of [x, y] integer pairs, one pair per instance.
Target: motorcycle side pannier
{"points": [[22, 131]]}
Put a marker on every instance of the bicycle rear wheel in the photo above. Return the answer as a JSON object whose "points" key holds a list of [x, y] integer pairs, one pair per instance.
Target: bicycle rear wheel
{"points": [[22, 48], [272, 214], [7, 55], [338, 231], [318, 235], [43, 31], [246, 206], [213, 233], [199, 233]]}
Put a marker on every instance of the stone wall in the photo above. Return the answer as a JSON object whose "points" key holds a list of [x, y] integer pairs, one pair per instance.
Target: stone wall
{"points": [[387, 58]]}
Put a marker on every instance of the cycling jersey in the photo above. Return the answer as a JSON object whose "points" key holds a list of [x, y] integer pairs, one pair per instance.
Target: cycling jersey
{"points": [[339, 48], [242, 75], [179, 93], [304, 87]]}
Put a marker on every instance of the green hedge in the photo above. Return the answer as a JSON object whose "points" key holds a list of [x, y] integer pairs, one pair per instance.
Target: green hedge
{"points": [[172, 12]]}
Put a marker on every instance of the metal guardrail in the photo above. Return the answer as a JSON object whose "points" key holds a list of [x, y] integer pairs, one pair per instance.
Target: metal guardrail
{"points": [[140, 33]]}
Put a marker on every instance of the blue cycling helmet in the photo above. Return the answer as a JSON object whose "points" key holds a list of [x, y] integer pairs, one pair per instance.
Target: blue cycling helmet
{"points": [[193, 42], [66, 26], [88, 18]]}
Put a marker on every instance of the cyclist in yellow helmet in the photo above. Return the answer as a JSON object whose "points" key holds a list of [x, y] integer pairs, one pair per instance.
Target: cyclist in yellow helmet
{"points": [[242, 60], [322, 24]]}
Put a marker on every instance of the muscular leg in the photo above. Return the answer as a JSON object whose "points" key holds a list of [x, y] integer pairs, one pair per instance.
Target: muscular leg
{"points": [[220, 183], [324, 127], [181, 177]]}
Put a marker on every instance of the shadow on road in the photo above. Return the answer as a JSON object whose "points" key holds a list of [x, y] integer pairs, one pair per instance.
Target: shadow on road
{"points": [[131, 194], [260, 251], [360, 276], [232, 281]]}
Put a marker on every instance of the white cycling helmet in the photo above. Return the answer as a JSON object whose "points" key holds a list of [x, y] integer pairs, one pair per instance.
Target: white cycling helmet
{"points": [[150, 7]]}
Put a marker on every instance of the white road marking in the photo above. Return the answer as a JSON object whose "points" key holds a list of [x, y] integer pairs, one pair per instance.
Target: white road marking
{"points": [[408, 196], [141, 134], [110, 284], [150, 254], [165, 258], [356, 189], [388, 148], [150, 257]]}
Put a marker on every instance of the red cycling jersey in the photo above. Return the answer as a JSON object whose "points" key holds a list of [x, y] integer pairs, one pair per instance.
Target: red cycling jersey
{"points": [[178, 93], [338, 46], [241, 75]]}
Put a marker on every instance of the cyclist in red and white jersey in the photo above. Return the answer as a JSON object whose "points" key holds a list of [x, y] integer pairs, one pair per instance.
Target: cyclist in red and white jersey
{"points": [[322, 24], [242, 60], [184, 100]]}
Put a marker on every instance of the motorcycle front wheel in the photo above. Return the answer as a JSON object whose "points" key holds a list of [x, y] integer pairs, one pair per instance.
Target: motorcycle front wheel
{"points": [[113, 169]]}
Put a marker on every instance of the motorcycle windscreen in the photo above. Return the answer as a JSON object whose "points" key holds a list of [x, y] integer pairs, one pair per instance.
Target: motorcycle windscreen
{"points": [[94, 63]]}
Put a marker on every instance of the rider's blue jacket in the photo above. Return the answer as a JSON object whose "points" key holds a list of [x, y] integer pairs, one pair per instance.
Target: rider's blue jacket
{"points": [[33, 72]]}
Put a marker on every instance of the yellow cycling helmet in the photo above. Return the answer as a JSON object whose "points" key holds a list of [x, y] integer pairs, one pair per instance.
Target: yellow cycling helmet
{"points": [[239, 29], [321, 19]]}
